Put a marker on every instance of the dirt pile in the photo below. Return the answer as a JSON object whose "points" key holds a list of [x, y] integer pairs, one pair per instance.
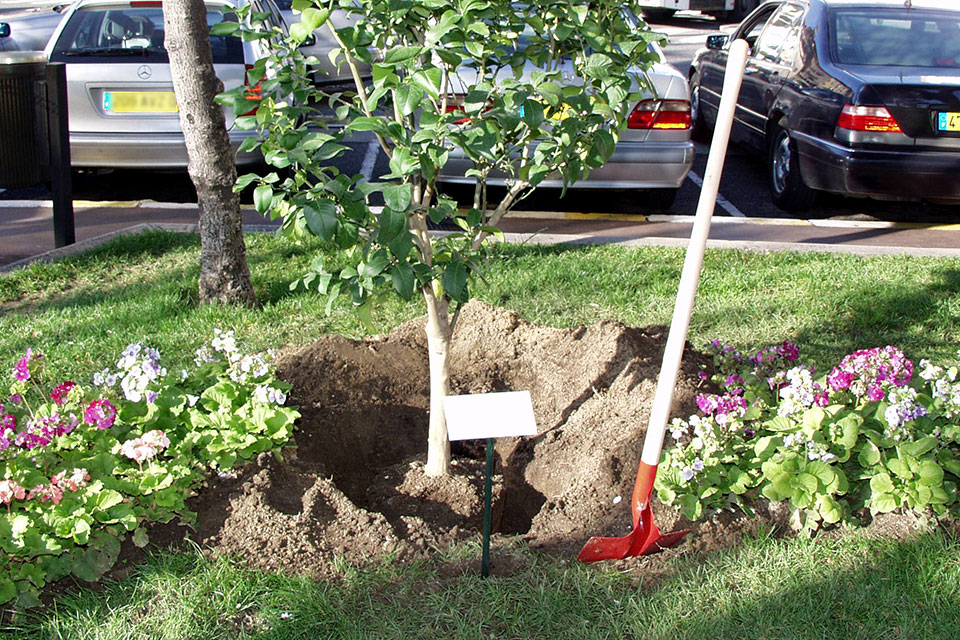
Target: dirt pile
{"points": [[355, 488]]}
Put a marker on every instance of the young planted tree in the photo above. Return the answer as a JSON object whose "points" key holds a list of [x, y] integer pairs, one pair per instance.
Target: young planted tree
{"points": [[224, 274], [521, 91]]}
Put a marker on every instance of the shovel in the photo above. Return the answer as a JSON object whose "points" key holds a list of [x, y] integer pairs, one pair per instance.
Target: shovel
{"points": [[646, 537]]}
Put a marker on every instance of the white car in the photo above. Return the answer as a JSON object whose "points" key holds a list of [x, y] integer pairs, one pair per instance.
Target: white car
{"points": [[123, 113]]}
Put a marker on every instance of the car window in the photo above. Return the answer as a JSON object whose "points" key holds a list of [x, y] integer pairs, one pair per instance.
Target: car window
{"points": [[96, 33], [778, 40], [898, 37], [751, 30]]}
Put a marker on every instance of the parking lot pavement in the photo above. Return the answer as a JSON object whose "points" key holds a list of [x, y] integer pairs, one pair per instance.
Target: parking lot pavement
{"points": [[26, 230]]}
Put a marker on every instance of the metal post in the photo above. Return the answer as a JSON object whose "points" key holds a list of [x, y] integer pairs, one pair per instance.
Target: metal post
{"points": [[487, 517], [58, 124]]}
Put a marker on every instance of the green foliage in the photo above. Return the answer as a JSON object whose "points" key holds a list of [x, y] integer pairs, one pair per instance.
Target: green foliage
{"points": [[83, 467], [833, 447], [520, 90]]}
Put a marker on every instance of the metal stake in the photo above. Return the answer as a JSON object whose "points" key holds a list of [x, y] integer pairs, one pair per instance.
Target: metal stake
{"points": [[487, 508]]}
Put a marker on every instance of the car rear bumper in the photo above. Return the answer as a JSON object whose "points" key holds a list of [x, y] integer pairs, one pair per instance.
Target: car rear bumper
{"points": [[147, 151], [911, 175], [633, 165]]}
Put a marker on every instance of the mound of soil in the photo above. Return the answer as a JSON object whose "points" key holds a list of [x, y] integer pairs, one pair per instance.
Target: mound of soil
{"points": [[354, 486]]}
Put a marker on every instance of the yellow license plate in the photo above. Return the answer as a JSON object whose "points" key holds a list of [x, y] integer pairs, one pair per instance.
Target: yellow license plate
{"points": [[948, 121], [139, 102]]}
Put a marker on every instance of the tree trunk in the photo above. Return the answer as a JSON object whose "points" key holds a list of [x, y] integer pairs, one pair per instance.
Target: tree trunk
{"points": [[224, 275], [438, 346]]}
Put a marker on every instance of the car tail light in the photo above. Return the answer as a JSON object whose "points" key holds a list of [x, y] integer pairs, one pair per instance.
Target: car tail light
{"points": [[253, 94], [873, 119], [660, 114]]}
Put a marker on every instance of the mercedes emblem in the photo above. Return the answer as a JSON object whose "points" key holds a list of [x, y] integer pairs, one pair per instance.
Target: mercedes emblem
{"points": [[144, 72]]}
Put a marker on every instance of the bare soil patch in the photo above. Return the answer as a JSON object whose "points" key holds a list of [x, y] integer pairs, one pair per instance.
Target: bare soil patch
{"points": [[354, 487]]}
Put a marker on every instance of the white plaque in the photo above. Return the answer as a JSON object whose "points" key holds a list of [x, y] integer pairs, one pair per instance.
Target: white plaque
{"points": [[489, 415]]}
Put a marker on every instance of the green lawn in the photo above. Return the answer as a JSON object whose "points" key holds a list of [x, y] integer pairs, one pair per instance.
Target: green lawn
{"points": [[82, 312]]}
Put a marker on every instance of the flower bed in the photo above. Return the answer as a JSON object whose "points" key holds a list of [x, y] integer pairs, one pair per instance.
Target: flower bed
{"points": [[868, 435], [83, 466]]}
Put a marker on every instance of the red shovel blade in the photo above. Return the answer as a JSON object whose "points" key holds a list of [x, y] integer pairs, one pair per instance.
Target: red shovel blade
{"points": [[643, 540], [645, 537]]}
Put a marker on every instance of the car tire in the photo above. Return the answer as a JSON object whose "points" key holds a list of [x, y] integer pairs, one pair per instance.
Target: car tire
{"points": [[660, 199], [699, 129], [787, 188]]}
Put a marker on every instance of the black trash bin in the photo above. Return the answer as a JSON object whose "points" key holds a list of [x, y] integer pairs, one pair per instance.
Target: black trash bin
{"points": [[24, 142]]}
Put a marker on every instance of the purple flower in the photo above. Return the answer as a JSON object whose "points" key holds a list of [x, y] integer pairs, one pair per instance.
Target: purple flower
{"points": [[100, 413], [21, 371], [687, 474], [875, 393]]}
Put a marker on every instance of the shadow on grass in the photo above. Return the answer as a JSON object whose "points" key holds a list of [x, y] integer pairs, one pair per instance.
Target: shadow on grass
{"points": [[767, 589]]}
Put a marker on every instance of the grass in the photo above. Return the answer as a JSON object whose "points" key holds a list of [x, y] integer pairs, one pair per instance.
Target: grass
{"points": [[851, 588], [82, 312]]}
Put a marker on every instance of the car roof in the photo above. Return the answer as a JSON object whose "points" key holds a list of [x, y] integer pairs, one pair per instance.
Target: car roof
{"points": [[884, 4]]}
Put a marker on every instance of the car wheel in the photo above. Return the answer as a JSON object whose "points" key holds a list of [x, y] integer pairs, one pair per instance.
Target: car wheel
{"points": [[700, 130], [660, 199], [787, 187]]}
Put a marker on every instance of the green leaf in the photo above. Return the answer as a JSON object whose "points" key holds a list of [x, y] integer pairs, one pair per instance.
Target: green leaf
{"points": [[767, 446], [8, 590], [408, 98], [881, 483], [899, 468], [314, 18], [455, 281], [400, 54], [884, 503], [321, 218], [869, 455], [920, 447], [225, 28], [263, 198], [373, 265], [931, 474], [404, 280], [829, 510], [398, 196]]}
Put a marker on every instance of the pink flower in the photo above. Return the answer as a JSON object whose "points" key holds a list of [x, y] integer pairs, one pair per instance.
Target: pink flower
{"points": [[60, 392], [10, 490], [875, 393], [100, 413], [77, 479], [46, 493]]}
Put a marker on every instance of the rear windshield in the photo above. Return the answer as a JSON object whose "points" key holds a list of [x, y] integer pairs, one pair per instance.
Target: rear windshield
{"points": [[117, 33], [897, 37]]}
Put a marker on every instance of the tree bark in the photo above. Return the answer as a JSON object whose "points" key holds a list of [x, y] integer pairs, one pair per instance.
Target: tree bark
{"points": [[438, 346], [224, 274]]}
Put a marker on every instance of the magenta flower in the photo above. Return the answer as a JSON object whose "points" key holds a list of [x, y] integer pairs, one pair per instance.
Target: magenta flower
{"points": [[869, 372], [100, 413], [21, 371], [60, 392], [875, 393]]}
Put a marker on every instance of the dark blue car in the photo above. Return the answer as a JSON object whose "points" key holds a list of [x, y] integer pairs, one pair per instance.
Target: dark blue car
{"points": [[855, 97]]}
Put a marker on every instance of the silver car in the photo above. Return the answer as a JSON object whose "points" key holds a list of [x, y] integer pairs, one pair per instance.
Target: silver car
{"points": [[123, 112], [654, 153]]}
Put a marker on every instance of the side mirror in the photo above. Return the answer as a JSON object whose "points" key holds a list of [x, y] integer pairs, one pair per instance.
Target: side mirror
{"points": [[4, 30], [309, 41], [716, 41]]}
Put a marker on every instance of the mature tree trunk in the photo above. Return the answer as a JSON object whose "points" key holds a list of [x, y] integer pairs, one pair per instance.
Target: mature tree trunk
{"points": [[224, 275]]}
